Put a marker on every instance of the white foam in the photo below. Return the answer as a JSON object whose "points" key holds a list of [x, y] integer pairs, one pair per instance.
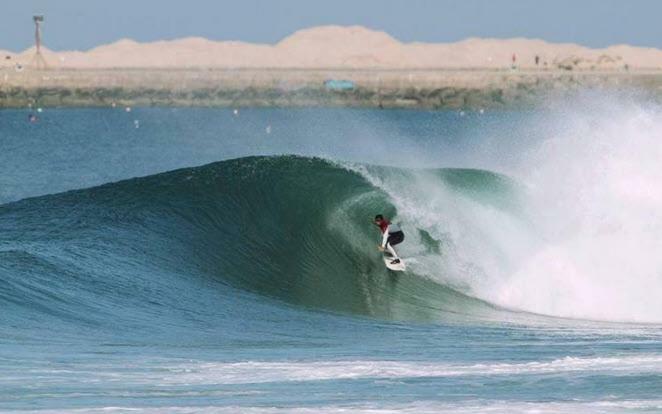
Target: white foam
{"points": [[169, 372], [597, 203], [427, 407], [257, 372]]}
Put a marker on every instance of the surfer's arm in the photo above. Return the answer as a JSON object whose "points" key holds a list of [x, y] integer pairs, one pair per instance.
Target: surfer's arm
{"points": [[384, 239]]}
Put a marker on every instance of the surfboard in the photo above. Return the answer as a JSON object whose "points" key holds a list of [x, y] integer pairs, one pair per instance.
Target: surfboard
{"points": [[399, 267]]}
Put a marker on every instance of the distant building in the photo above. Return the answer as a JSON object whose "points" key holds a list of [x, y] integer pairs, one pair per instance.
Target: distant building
{"points": [[339, 85]]}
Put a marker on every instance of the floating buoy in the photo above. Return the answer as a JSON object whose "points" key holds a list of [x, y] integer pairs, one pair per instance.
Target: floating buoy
{"points": [[235, 112], [268, 129], [136, 123], [127, 109]]}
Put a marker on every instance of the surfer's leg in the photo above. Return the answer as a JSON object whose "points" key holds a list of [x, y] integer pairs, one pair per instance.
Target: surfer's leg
{"points": [[392, 251], [393, 239]]}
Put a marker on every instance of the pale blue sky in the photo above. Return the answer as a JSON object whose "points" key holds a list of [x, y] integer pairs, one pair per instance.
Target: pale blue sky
{"points": [[82, 24]]}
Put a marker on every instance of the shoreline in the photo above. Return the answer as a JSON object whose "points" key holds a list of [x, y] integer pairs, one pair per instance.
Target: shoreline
{"points": [[444, 88]]}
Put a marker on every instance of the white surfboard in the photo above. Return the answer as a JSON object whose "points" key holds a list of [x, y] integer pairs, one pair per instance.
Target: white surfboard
{"points": [[398, 267]]}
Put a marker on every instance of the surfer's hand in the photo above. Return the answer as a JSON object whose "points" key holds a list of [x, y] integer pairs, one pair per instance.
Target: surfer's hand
{"points": [[380, 248]]}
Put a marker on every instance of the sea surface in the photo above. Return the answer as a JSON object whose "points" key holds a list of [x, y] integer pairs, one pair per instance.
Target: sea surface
{"points": [[192, 260]]}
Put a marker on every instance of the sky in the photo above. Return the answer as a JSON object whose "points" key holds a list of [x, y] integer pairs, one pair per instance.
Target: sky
{"points": [[83, 24]]}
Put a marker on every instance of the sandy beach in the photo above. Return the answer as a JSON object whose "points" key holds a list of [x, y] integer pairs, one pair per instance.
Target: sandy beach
{"points": [[330, 65]]}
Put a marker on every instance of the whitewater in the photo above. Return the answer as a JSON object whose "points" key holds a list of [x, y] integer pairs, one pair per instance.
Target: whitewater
{"points": [[206, 260]]}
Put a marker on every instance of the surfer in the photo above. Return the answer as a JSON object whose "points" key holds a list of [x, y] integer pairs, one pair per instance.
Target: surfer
{"points": [[392, 236]]}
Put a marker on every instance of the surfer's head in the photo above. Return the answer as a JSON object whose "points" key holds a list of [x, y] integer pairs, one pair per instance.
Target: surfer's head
{"points": [[379, 218]]}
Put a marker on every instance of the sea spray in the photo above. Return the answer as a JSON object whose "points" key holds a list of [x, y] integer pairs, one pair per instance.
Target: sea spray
{"points": [[579, 235], [596, 199]]}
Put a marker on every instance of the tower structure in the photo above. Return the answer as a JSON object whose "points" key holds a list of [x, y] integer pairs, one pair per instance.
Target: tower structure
{"points": [[38, 61]]}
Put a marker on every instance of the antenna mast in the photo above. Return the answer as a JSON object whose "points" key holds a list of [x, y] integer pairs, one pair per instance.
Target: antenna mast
{"points": [[38, 62]]}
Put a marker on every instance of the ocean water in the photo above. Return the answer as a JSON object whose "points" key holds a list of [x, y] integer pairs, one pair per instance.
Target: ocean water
{"points": [[199, 260]]}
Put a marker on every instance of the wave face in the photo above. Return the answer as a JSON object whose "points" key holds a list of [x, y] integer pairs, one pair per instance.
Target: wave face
{"points": [[298, 230], [291, 228]]}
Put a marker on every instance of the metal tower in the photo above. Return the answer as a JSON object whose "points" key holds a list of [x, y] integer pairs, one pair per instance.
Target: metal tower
{"points": [[38, 61]]}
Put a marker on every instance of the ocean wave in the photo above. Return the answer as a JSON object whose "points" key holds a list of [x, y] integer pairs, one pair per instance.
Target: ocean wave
{"points": [[289, 228]]}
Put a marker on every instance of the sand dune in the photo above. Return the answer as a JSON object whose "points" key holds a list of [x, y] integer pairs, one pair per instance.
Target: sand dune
{"points": [[352, 47]]}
